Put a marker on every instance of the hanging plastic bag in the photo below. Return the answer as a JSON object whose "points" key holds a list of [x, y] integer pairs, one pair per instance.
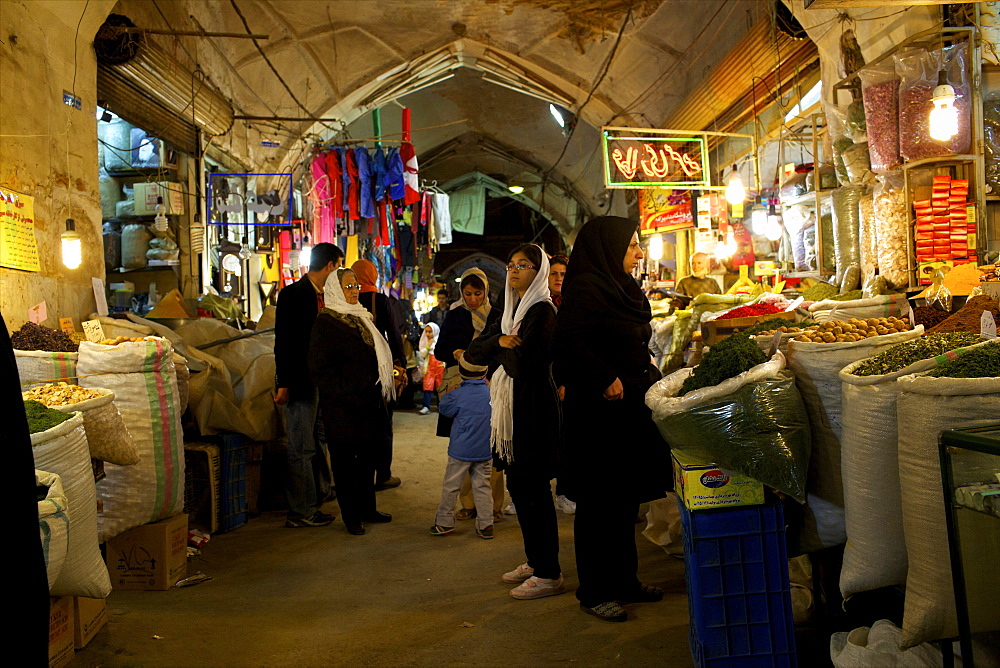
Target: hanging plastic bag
{"points": [[880, 91], [846, 227], [938, 294], [867, 235], [891, 225]]}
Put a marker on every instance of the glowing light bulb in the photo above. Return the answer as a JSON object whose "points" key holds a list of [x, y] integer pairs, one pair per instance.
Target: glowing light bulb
{"points": [[245, 253], [72, 246], [557, 115], [735, 192], [305, 253], [758, 221], [943, 120], [656, 247], [773, 229], [731, 246], [160, 220], [517, 190]]}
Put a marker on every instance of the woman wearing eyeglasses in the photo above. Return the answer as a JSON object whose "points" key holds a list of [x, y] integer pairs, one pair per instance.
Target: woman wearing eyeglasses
{"points": [[614, 458], [351, 365], [525, 423]]}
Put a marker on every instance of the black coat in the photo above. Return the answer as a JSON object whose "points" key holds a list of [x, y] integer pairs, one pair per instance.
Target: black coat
{"points": [[345, 371], [386, 322], [536, 441], [293, 324], [457, 332]]}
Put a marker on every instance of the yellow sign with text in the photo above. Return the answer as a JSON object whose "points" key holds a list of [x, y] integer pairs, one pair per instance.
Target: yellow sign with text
{"points": [[18, 248]]}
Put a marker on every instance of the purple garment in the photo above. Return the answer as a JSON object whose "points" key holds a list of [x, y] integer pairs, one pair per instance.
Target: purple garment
{"points": [[394, 174], [379, 170], [366, 181], [345, 178]]}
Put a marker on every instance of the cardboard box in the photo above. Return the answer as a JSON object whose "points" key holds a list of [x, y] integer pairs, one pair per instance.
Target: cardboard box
{"points": [[705, 486], [60, 631], [89, 616], [714, 331], [149, 557], [145, 195]]}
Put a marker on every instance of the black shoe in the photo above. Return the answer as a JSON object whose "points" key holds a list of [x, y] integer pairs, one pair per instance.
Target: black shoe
{"points": [[388, 483], [317, 519], [644, 594], [356, 529], [378, 518], [607, 612]]}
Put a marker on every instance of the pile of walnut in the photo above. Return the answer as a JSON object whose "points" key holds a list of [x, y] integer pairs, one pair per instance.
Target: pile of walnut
{"points": [[121, 339], [845, 331], [60, 394], [783, 330]]}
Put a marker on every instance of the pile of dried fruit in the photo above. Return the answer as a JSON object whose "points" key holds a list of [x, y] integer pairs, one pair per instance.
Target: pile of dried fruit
{"points": [[855, 329], [121, 339], [32, 336], [901, 356], [59, 394]]}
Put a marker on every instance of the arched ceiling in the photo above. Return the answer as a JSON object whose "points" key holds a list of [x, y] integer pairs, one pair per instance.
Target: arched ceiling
{"points": [[480, 72]]}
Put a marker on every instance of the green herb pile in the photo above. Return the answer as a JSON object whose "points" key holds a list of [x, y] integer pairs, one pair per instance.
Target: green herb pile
{"points": [[726, 359], [819, 292], [982, 362], [41, 417], [847, 296], [899, 357], [771, 324]]}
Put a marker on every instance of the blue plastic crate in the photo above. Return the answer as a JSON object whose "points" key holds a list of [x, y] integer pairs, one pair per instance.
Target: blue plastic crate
{"points": [[736, 567], [233, 510]]}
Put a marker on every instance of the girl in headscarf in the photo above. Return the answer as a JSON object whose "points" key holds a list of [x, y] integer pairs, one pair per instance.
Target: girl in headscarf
{"points": [[525, 420], [432, 369], [614, 458], [351, 366], [463, 324]]}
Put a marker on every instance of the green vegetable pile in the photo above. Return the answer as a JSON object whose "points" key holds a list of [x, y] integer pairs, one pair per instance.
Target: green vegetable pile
{"points": [[983, 362], [726, 359], [847, 296], [819, 292], [903, 355], [41, 417]]}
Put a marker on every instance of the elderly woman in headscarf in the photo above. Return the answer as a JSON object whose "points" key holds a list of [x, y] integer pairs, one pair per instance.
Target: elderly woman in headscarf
{"points": [[525, 418], [465, 322], [351, 366], [388, 326], [614, 458]]}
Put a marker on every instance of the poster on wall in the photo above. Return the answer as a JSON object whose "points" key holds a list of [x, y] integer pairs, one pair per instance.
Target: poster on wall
{"points": [[18, 247], [665, 210]]}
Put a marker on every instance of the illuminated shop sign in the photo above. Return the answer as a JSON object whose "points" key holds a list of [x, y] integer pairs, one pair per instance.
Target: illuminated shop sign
{"points": [[635, 158], [665, 210]]}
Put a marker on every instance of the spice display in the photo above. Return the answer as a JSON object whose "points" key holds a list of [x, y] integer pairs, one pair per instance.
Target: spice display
{"points": [[848, 296], [968, 318], [981, 362], [855, 329], [59, 394], [929, 316], [867, 236], [901, 356], [41, 417], [918, 70], [961, 280], [784, 329], [750, 311], [846, 227], [819, 292], [726, 359], [771, 324], [121, 339], [880, 90], [891, 226], [32, 336]]}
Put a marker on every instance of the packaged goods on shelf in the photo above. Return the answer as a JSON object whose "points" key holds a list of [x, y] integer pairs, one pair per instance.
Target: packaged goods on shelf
{"points": [[880, 92]]}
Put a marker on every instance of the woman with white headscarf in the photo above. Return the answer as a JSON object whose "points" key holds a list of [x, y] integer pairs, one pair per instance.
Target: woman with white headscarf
{"points": [[351, 366], [430, 367], [525, 421]]}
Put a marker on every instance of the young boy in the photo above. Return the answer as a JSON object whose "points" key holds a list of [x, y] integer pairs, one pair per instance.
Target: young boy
{"points": [[468, 450]]}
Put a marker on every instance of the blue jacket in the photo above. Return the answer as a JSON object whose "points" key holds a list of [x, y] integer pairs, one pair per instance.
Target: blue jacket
{"points": [[469, 404]]}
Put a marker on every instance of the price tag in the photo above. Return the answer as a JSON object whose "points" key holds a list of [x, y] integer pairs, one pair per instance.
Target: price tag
{"points": [[38, 313], [988, 326], [913, 319], [99, 296], [66, 325], [93, 330]]}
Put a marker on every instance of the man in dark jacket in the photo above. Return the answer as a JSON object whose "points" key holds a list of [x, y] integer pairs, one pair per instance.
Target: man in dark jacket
{"points": [[309, 476], [437, 314]]}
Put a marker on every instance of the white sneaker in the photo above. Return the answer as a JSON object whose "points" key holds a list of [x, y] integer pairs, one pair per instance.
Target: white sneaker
{"points": [[538, 588], [509, 509], [519, 574], [565, 505], [425, 410]]}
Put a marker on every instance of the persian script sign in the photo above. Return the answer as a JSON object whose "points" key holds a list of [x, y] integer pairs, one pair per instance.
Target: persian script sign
{"points": [[637, 159], [18, 248]]}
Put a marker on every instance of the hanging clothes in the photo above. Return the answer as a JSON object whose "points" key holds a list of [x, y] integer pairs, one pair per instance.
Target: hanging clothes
{"points": [[426, 216], [332, 161], [380, 168], [366, 201], [320, 197], [394, 175], [442, 218], [411, 175], [353, 187], [468, 209]]}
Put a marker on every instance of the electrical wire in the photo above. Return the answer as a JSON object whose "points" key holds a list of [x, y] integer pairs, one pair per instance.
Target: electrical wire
{"points": [[76, 43]]}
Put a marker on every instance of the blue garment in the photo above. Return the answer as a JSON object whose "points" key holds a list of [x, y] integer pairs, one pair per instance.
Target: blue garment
{"points": [[345, 178], [469, 404], [309, 476], [365, 176], [394, 174], [379, 168]]}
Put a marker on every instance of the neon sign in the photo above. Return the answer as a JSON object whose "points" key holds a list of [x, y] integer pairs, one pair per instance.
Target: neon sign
{"points": [[635, 158]]}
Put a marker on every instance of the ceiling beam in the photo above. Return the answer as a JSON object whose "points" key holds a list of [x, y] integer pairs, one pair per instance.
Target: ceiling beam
{"points": [[851, 4]]}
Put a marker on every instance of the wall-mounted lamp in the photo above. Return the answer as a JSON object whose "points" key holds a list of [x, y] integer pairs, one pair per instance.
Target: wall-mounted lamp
{"points": [[72, 246]]}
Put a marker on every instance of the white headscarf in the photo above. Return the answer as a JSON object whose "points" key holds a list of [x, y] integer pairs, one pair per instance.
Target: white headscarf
{"points": [[424, 341], [333, 299], [502, 385]]}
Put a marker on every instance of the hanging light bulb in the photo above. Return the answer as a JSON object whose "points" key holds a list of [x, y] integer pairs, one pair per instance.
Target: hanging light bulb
{"points": [[656, 247], [731, 246], [72, 246], [305, 252], [773, 230], [735, 192], [517, 190], [758, 221], [160, 221], [245, 252], [943, 121]]}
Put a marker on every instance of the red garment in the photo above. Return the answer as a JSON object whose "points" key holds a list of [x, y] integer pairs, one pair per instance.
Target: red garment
{"points": [[354, 190], [410, 173], [336, 185], [434, 375]]}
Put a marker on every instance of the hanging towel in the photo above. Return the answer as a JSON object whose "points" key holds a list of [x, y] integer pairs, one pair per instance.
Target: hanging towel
{"points": [[442, 218], [468, 209]]}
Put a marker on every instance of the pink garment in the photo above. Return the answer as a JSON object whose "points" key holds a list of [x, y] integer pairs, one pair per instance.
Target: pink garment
{"points": [[326, 230], [434, 374]]}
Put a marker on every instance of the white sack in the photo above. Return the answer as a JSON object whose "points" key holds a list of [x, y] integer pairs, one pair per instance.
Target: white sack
{"points": [[63, 450], [37, 367], [882, 306], [879, 647], [53, 524], [664, 526], [107, 436]]}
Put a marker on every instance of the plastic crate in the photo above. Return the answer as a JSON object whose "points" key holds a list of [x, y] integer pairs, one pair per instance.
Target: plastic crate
{"points": [[736, 567], [201, 484], [233, 511]]}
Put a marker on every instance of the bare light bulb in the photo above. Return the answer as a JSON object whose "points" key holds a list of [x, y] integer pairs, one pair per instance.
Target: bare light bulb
{"points": [[656, 247], [735, 192], [517, 190], [72, 246], [943, 121], [773, 229], [305, 254], [245, 253], [758, 221]]}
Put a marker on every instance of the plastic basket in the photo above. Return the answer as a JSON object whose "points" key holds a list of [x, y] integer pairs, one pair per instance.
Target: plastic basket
{"points": [[736, 567], [201, 484], [233, 510]]}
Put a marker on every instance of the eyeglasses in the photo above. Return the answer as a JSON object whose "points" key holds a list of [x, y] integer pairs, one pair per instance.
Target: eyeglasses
{"points": [[520, 267], [352, 286]]}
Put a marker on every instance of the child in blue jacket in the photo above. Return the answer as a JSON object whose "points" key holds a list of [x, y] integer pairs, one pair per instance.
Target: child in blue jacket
{"points": [[468, 450]]}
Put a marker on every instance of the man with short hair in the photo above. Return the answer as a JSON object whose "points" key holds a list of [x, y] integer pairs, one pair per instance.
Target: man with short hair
{"points": [[309, 477], [438, 313]]}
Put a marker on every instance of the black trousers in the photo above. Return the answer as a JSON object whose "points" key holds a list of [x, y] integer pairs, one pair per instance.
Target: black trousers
{"points": [[606, 559], [354, 474], [531, 493], [383, 459]]}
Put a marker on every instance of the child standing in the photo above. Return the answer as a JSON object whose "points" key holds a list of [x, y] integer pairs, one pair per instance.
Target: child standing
{"points": [[468, 450], [432, 369]]}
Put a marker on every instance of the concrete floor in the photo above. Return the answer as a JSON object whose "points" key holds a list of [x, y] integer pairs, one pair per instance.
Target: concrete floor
{"points": [[396, 596]]}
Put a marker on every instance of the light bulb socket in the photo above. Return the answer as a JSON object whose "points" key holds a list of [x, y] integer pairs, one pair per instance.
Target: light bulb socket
{"points": [[70, 225]]}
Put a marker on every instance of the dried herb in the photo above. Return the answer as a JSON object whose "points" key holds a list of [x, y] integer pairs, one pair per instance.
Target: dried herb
{"points": [[819, 292], [847, 296], [899, 357], [726, 359], [982, 362], [39, 337], [41, 417]]}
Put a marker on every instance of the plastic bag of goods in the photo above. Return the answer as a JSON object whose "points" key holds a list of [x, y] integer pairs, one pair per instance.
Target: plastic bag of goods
{"points": [[879, 647], [141, 374], [63, 450], [846, 227], [875, 555], [817, 369], [991, 143], [857, 162], [867, 240], [891, 225], [53, 524], [841, 140], [753, 423], [116, 137], [927, 406], [881, 306], [135, 243], [880, 92], [796, 219], [918, 71]]}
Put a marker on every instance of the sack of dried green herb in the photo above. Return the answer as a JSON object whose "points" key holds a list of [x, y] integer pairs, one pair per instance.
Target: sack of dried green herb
{"points": [[927, 406], [754, 424]]}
